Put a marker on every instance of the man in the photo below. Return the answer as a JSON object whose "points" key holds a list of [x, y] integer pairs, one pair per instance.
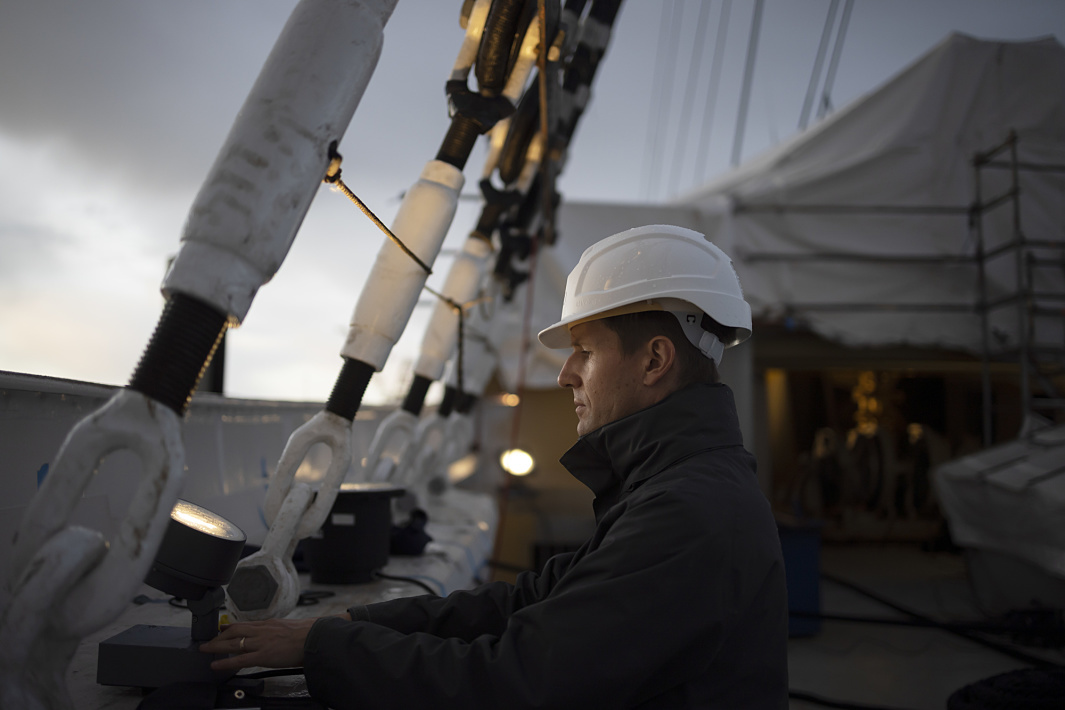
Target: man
{"points": [[677, 600]]}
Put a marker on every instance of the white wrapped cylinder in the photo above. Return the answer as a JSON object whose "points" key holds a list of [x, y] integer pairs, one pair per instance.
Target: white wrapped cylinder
{"points": [[463, 280], [243, 221], [395, 282]]}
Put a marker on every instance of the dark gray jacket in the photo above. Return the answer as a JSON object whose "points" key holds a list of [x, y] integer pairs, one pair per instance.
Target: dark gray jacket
{"points": [[677, 600]]}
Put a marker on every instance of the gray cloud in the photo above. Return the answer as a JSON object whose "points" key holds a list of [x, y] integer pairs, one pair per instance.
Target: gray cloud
{"points": [[29, 249], [144, 89]]}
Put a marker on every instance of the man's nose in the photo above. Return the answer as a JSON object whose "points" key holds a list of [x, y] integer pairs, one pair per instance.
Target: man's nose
{"points": [[566, 376]]}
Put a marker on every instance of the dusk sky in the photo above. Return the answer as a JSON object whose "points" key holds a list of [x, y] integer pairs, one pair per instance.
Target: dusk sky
{"points": [[112, 111]]}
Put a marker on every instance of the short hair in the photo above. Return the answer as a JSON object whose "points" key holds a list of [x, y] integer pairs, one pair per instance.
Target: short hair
{"points": [[636, 329]]}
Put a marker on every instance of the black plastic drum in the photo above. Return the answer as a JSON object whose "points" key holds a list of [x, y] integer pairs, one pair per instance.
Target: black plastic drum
{"points": [[354, 540]]}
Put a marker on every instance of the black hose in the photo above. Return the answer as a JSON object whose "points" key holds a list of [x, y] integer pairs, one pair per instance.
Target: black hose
{"points": [[415, 399], [1001, 648], [585, 62], [408, 580], [465, 402], [179, 351], [576, 7], [530, 205], [911, 623], [447, 404], [349, 388], [493, 56], [459, 141], [496, 204], [829, 703], [523, 127]]}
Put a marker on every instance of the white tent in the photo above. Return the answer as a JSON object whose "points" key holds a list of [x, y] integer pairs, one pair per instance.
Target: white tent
{"points": [[871, 207]]}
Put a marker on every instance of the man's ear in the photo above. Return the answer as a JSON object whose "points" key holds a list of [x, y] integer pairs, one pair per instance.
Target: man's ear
{"points": [[660, 359]]}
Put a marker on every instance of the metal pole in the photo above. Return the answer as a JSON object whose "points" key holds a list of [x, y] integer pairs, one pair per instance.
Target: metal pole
{"points": [[976, 223], [1023, 300]]}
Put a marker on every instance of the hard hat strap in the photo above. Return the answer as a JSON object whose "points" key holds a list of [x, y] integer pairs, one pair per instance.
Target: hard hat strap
{"points": [[706, 342], [711, 346]]}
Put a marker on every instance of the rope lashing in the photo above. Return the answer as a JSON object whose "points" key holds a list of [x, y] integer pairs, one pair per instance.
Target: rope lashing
{"points": [[332, 177]]}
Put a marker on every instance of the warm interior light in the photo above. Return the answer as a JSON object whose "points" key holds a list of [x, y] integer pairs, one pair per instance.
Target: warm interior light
{"points": [[510, 400], [914, 432], [516, 462]]}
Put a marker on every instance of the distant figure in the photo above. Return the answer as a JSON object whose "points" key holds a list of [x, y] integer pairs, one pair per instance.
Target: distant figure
{"points": [[677, 600]]}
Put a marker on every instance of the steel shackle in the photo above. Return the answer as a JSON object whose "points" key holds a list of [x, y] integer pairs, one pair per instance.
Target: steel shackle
{"points": [[34, 650], [323, 428], [428, 444], [457, 439], [390, 446], [265, 584], [131, 421]]}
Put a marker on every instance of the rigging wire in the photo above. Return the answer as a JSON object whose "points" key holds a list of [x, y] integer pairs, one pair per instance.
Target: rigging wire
{"points": [[657, 128], [333, 178], [651, 147], [748, 78], [711, 92], [815, 75], [667, 98], [689, 95], [833, 64]]}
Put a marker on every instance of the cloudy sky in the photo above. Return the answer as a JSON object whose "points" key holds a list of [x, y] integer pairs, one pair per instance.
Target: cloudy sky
{"points": [[112, 111]]}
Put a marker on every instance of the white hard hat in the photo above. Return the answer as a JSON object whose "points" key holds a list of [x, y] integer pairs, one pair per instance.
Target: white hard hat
{"points": [[658, 267]]}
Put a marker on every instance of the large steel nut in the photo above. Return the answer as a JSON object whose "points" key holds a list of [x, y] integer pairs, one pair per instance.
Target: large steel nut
{"points": [[252, 588]]}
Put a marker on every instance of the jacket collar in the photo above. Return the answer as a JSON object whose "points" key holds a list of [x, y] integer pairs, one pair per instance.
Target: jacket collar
{"points": [[615, 458]]}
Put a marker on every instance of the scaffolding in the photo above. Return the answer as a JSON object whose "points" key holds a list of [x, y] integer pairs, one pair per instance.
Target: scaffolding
{"points": [[1038, 362]]}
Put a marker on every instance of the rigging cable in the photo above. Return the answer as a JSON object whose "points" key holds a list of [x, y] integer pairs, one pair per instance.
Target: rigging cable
{"points": [[833, 64], [748, 78], [333, 178], [815, 75], [711, 92], [689, 96], [651, 147], [667, 90]]}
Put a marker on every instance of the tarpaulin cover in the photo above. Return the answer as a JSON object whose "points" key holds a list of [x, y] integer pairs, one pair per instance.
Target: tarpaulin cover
{"points": [[838, 187], [1010, 499]]}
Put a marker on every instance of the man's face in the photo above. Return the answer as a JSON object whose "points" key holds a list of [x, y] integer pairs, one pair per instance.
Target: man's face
{"points": [[607, 384]]}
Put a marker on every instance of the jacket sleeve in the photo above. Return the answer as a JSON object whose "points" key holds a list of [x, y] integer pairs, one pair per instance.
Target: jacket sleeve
{"points": [[645, 610], [465, 614]]}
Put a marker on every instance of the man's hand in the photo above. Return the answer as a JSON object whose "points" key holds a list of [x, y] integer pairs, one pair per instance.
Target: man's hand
{"points": [[274, 643]]}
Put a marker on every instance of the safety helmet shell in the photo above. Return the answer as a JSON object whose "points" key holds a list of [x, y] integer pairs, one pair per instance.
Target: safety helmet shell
{"points": [[647, 264]]}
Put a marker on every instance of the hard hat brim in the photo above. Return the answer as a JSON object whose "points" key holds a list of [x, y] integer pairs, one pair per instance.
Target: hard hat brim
{"points": [[556, 337]]}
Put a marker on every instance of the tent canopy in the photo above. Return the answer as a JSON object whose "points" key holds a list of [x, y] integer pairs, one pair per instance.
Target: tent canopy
{"points": [[861, 227]]}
